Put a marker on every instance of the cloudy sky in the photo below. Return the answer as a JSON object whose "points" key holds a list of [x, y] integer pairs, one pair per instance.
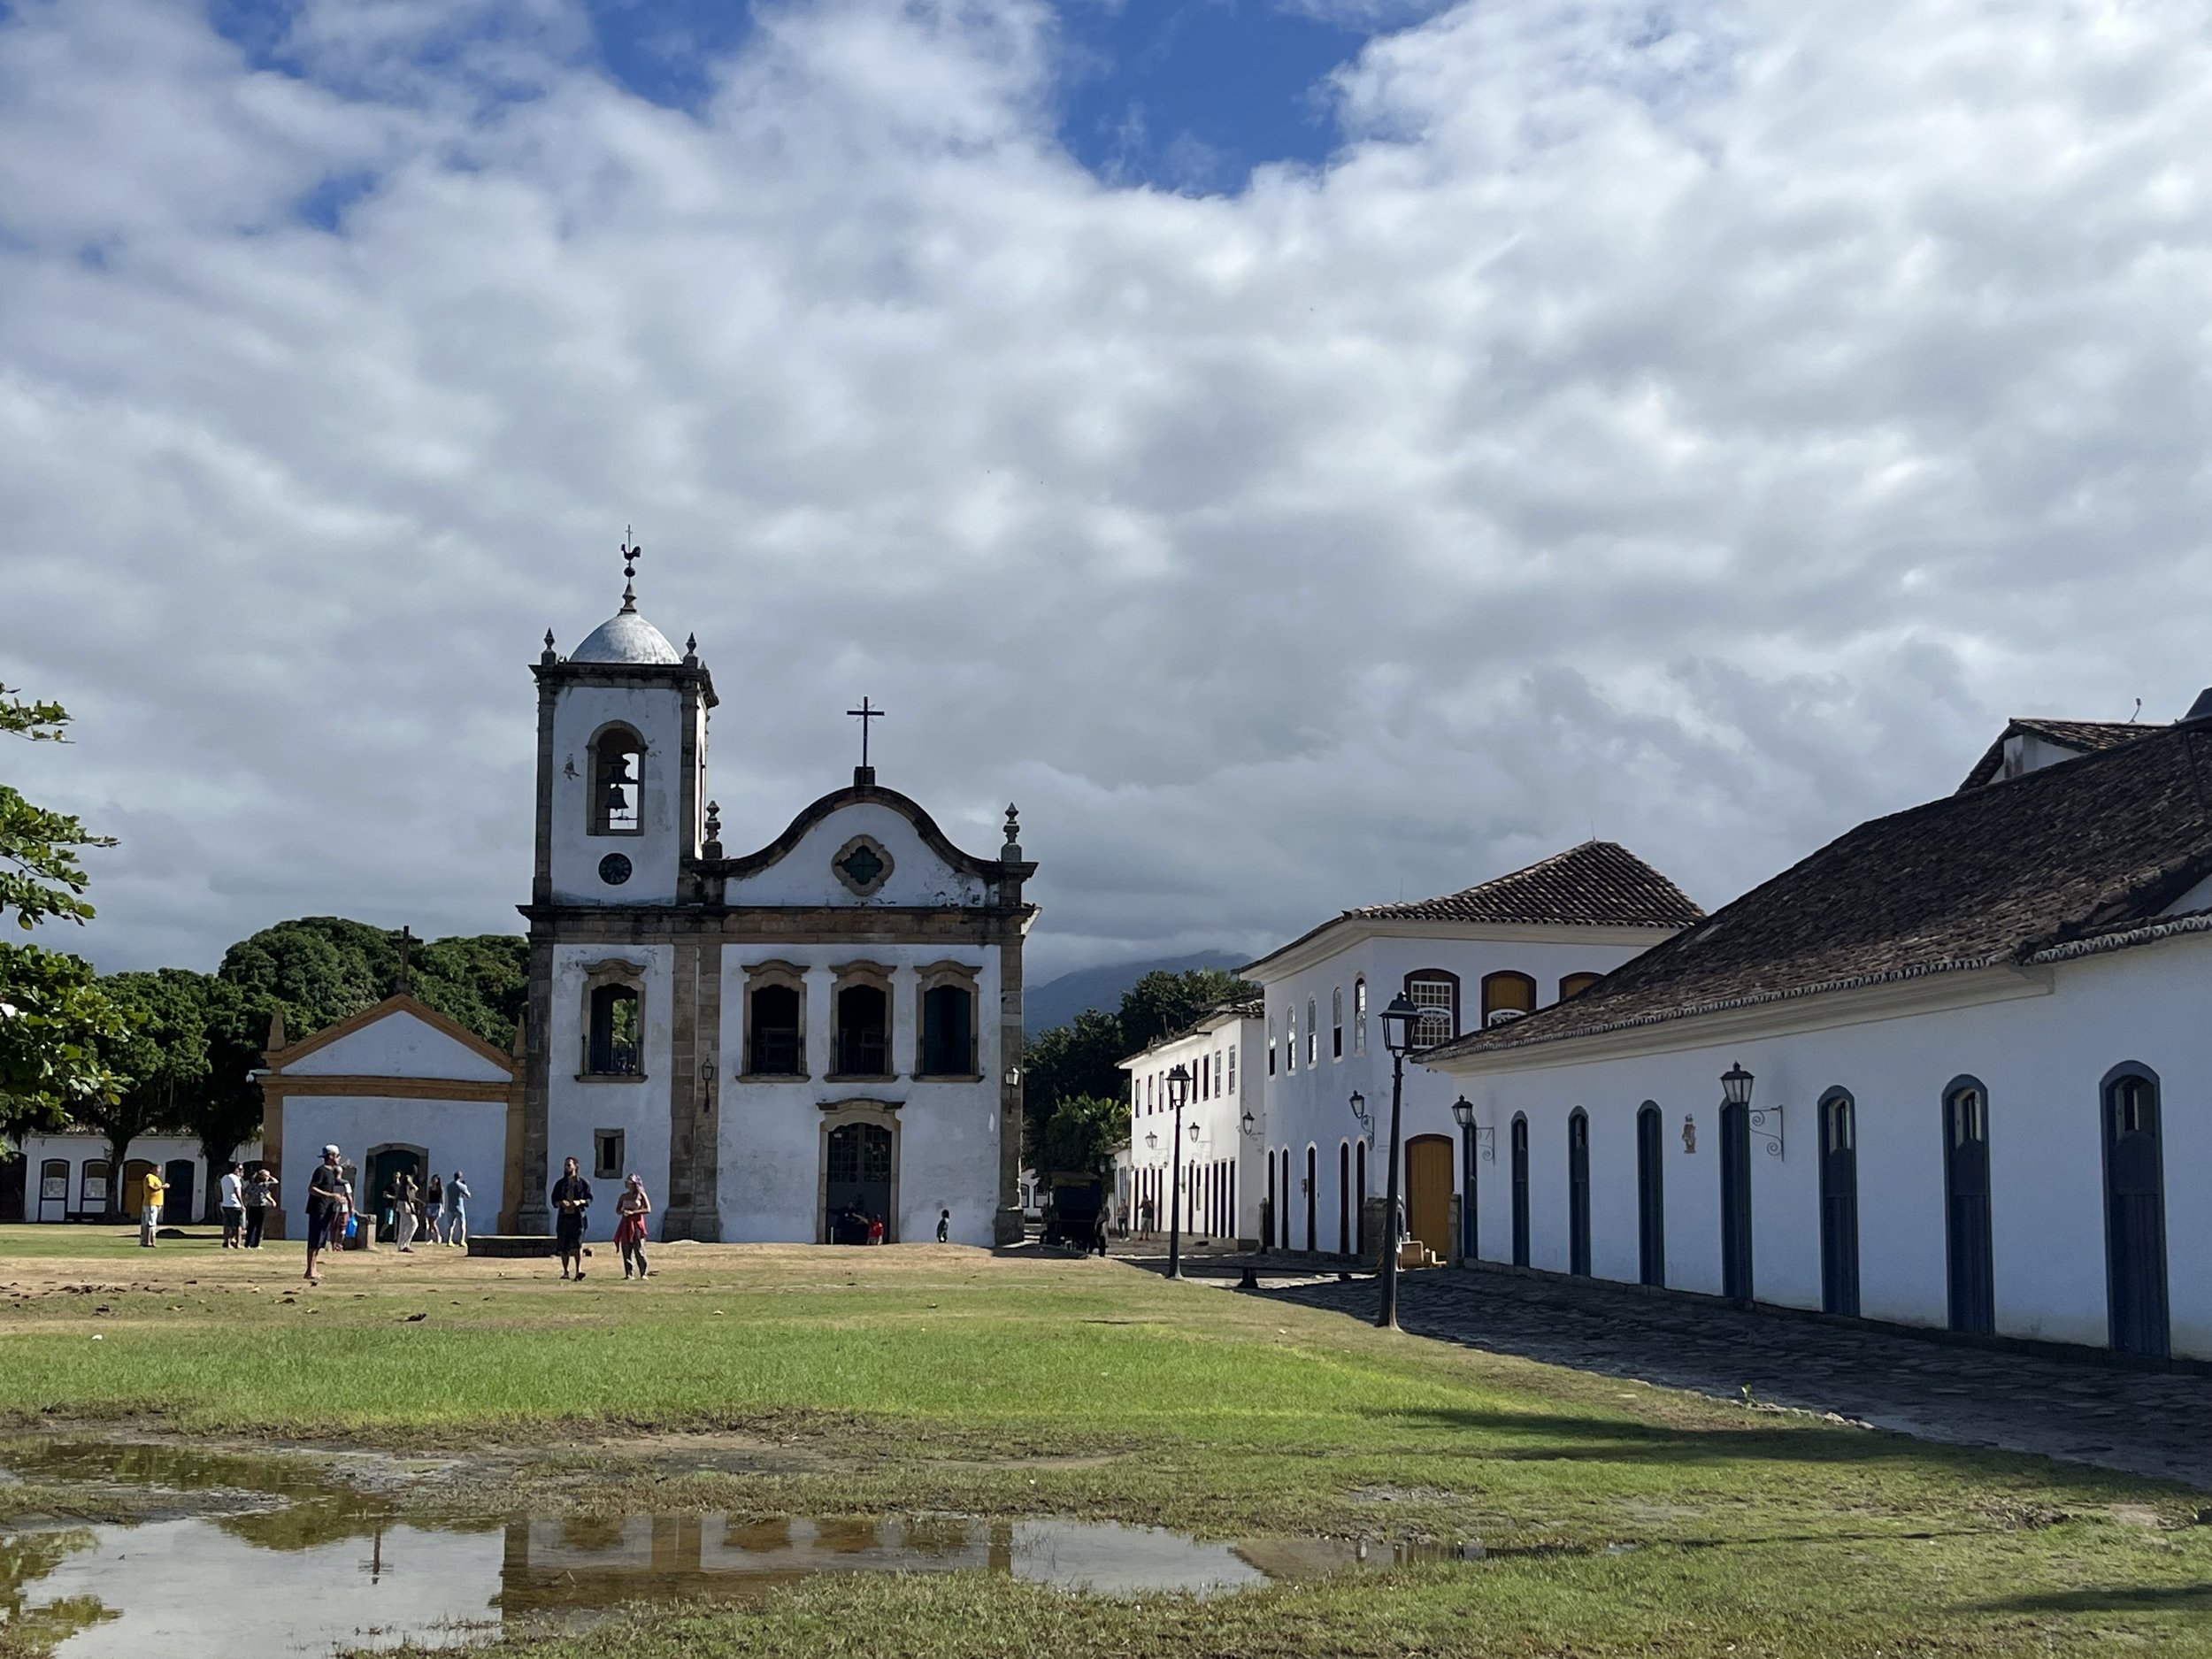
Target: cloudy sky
{"points": [[1305, 452]]}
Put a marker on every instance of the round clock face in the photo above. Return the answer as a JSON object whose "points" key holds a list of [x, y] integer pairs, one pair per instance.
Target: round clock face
{"points": [[614, 870]]}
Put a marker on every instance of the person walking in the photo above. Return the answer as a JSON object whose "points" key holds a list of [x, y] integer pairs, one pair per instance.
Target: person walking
{"points": [[572, 1202], [328, 1204], [261, 1197], [944, 1226], [402, 1196], [454, 1221], [232, 1197], [630, 1231], [150, 1209], [433, 1207]]}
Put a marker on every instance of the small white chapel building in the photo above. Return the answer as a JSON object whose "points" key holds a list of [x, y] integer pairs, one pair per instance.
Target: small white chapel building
{"points": [[1949, 1070]]}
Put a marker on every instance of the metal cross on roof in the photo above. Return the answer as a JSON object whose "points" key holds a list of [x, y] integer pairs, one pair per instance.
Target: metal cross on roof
{"points": [[864, 714]]}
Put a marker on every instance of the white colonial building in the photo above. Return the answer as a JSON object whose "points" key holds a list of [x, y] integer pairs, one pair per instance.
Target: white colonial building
{"points": [[1222, 1161], [829, 1026], [1526, 940], [1968, 1060], [67, 1176]]}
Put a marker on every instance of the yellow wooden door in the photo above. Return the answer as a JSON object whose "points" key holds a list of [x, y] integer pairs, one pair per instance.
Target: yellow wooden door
{"points": [[1429, 1191], [134, 1173]]}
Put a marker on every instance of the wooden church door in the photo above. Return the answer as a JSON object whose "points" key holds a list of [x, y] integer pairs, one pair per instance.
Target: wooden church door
{"points": [[1972, 1277], [1838, 1205], [1429, 1192], [2135, 1215]]}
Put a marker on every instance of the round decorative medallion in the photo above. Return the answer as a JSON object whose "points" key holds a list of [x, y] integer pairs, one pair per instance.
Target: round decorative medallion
{"points": [[614, 869], [863, 865]]}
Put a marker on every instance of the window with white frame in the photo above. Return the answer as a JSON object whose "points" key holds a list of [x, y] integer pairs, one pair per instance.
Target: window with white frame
{"points": [[1336, 1022], [1436, 993], [1359, 1015], [1313, 1032], [1232, 1070]]}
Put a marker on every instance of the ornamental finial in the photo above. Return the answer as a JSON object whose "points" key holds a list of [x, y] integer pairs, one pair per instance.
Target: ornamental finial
{"points": [[549, 657], [631, 554]]}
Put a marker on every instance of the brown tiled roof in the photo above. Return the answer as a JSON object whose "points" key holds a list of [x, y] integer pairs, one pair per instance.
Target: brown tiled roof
{"points": [[2062, 861], [1599, 884], [2086, 737]]}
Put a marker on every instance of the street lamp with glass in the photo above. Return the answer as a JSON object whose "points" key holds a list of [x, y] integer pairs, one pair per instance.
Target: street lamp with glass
{"points": [[1177, 1088], [1463, 1112], [1400, 1020]]}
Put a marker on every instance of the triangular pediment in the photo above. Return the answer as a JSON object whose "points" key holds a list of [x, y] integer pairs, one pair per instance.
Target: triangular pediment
{"points": [[398, 1037]]}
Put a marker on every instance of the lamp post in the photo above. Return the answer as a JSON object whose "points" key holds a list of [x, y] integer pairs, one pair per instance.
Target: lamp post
{"points": [[1463, 1112], [1399, 1021], [1177, 1086]]}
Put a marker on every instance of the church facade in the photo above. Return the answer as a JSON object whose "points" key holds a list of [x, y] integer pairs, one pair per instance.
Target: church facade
{"points": [[783, 1044]]}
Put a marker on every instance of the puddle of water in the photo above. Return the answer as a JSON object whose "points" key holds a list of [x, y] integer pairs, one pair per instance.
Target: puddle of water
{"points": [[326, 1567]]}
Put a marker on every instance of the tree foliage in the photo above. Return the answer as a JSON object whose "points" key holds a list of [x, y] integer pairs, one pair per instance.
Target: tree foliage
{"points": [[53, 1016], [323, 969], [40, 876], [1081, 1061], [1082, 1134]]}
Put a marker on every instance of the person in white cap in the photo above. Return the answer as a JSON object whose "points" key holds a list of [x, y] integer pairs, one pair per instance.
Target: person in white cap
{"points": [[326, 1208]]}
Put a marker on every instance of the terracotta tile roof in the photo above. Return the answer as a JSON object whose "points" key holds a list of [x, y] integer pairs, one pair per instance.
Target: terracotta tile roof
{"points": [[1599, 884], [2061, 861], [2086, 737]]}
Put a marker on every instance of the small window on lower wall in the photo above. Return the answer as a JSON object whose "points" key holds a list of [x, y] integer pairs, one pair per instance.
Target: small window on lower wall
{"points": [[606, 1155]]}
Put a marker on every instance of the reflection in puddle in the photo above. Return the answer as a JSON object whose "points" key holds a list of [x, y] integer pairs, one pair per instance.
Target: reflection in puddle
{"points": [[332, 1568]]}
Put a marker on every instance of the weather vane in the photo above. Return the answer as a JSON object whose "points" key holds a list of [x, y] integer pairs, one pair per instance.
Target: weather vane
{"points": [[631, 554]]}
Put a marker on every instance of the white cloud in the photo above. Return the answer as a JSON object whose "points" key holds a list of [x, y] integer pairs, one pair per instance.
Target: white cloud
{"points": [[1698, 425]]}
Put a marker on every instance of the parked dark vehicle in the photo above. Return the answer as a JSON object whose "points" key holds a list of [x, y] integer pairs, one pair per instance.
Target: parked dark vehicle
{"points": [[1076, 1217]]}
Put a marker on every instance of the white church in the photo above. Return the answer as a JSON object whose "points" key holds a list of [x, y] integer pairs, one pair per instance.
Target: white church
{"points": [[815, 1042]]}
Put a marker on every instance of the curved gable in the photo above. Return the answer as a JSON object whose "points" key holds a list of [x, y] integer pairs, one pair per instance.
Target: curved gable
{"points": [[798, 867]]}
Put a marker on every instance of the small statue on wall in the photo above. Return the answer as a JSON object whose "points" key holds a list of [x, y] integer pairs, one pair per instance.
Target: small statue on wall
{"points": [[1689, 1133]]}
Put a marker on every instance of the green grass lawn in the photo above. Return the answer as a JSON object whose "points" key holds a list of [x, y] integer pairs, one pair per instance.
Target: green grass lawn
{"points": [[1619, 1518]]}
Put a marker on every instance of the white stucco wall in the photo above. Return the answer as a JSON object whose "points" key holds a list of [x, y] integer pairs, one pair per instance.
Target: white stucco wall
{"points": [[1307, 1104], [455, 1134], [770, 1132], [656, 713], [398, 1045], [2042, 1058], [577, 1105]]}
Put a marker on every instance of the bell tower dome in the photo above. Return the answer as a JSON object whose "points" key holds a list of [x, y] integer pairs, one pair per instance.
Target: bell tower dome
{"points": [[622, 751]]}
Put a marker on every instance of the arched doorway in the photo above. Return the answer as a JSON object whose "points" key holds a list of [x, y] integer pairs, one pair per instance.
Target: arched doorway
{"points": [[1578, 1193], [1313, 1167], [385, 1165], [1344, 1198], [1359, 1180], [1520, 1190], [2135, 1212], [178, 1175], [1651, 1198], [858, 1164], [134, 1173], [1839, 1203], [53, 1189], [1735, 1202], [1429, 1192], [1973, 1267]]}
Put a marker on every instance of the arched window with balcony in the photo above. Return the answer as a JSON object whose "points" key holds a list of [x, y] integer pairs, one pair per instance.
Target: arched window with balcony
{"points": [[614, 1035], [949, 1031], [1435, 992], [863, 1037], [1508, 992]]}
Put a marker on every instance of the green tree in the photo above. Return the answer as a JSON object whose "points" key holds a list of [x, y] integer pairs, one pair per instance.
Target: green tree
{"points": [[160, 1061], [54, 1020], [323, 969], [223, 1111], [1083, 1135], [1162, 1004], [53, 1017]]}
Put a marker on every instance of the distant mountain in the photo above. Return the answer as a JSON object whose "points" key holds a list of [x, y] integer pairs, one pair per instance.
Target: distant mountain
{"points": [[1057, 1002]]}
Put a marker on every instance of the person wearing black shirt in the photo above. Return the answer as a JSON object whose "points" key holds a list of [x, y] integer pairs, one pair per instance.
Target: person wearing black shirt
{"points": [[326, 1210], [571, 1200]]}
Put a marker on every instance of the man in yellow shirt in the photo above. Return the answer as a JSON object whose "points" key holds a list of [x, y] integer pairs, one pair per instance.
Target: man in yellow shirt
{"points": [[149, 1210]]}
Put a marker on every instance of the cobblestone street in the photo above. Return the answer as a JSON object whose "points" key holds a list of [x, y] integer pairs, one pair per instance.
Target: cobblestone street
{"points": [[2146, 1423]]}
